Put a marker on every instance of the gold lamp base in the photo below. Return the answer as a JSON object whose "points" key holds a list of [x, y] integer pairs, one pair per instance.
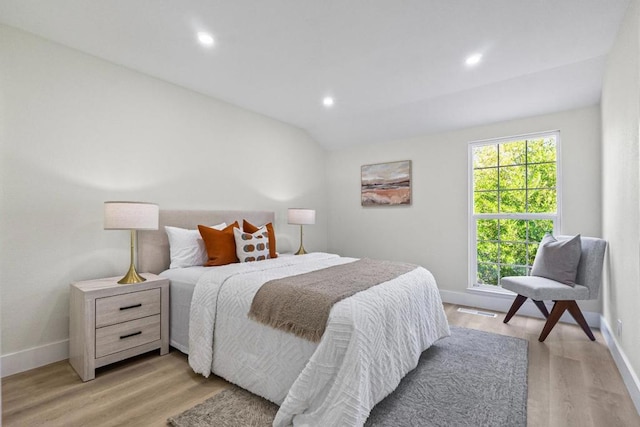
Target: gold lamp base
{"points": [[132, 276], [301, 251]]}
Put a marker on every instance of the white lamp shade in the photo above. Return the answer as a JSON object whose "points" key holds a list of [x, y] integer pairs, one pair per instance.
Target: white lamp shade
{"points": [[301, 216], [130, 216]]}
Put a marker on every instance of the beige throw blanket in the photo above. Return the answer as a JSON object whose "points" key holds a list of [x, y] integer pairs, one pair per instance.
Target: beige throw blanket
{"points": [[301, 304]]}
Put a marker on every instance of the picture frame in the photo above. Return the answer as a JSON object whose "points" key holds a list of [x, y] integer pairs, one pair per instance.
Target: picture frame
{"points": [[386, 184]]}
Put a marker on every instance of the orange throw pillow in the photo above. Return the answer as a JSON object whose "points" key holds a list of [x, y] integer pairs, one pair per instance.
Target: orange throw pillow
{"points": [[250, 228], [220, 244]]}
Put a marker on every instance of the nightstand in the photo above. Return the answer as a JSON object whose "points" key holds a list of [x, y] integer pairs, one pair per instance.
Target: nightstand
{"points": [[109, 322]]}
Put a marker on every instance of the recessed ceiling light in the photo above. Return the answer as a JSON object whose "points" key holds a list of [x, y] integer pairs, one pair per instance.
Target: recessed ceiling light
{"points": [[473, 59], [327, 101], [205, 39]]}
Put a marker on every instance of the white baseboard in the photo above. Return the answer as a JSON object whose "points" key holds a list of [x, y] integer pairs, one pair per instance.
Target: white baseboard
{"points": [[622, 362], [502, 302], [14, 363]]}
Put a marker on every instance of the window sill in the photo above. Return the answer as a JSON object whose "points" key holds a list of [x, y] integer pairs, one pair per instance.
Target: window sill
{"points": [[491, 290]]}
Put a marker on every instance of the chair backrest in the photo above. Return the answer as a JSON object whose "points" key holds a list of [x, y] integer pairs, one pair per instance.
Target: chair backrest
{"points": [[591, 262]]}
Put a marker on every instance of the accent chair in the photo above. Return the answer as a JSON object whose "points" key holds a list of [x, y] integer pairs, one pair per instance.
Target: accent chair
{"points": [[539, 289]]}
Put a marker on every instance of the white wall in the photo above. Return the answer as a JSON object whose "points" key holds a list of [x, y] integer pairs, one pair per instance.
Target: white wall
{"points": [[77, 131], [620, 184], [433, 231]]}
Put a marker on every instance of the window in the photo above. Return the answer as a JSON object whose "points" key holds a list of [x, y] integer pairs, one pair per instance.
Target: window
{"points": [[514, 199]]}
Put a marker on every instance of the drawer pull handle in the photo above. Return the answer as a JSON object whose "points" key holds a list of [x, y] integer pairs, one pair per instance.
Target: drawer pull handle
{"points": [[131, 306], [131, 335]]}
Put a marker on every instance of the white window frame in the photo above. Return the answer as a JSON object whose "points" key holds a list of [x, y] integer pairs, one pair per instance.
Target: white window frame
{"points": [[473, 250]]}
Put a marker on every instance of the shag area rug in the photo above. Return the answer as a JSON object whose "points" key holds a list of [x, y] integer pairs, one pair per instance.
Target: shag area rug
{"points": [[471, 378]]}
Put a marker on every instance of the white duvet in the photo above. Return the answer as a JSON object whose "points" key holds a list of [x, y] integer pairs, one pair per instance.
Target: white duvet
{"points": [[372, 340]]}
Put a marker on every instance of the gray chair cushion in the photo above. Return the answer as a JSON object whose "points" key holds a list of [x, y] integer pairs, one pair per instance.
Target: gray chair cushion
{"points": [[541, 288], [558, 259]]}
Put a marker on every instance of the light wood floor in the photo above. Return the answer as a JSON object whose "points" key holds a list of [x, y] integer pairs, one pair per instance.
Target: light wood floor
{"points": [[572, 382]]}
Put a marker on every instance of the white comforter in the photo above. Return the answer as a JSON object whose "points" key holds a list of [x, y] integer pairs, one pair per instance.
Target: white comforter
{"points": [[371, 341]]}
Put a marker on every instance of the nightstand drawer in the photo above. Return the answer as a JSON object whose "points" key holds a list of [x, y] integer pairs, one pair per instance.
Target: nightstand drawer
{"points": [[121, 308], [115, 338]]}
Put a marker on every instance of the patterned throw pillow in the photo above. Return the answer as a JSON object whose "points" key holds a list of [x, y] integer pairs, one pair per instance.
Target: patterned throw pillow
{"points": [[252, 246], [250, 228]]}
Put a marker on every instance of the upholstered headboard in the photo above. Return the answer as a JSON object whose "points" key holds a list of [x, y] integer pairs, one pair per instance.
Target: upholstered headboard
{"points": [[153, 245]]}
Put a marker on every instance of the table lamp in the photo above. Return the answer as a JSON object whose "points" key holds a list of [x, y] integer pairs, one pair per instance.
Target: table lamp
{"points": [[131, 216], [301, 217]]}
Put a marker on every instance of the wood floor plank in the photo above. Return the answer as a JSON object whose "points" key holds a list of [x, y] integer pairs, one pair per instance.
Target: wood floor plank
{"points": [[567, 397], [571, 381], [538, 384]]}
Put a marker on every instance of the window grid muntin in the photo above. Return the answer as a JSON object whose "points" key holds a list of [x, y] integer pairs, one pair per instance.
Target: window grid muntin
{"points": [[526, 165], [527, 243]]}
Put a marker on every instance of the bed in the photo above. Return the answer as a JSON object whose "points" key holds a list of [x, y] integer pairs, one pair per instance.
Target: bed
{"points": [[372, 339]]}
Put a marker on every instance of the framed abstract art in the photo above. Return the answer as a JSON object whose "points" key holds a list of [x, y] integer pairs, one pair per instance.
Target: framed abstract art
{"points": [[386, 184]]}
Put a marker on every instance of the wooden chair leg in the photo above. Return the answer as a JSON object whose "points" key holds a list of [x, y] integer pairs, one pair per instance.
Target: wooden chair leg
{"points": [[556, 312], [575, 311], [517, 303], [542, 308]]}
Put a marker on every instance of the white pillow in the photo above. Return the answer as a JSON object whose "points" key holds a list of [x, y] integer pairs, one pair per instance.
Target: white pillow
{"points": [[252, 247], [186, 247]]}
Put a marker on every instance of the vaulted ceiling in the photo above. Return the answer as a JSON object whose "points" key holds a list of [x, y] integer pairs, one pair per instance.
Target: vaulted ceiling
{"points": [[395, 68]]}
